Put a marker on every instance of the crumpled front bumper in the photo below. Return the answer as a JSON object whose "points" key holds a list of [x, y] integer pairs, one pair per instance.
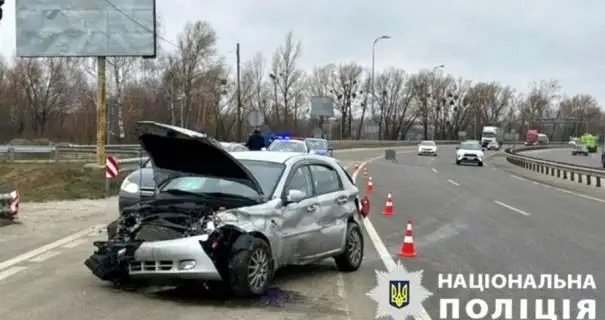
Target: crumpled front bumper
{"points": [[9, 205], [182, 258]]}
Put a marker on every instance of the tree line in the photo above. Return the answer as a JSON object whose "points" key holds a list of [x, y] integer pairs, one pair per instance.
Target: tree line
{"points": [[190, 85]]}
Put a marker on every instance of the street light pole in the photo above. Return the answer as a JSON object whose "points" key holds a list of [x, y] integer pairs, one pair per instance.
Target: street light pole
{"points": [[435, 68], [373, 69]]}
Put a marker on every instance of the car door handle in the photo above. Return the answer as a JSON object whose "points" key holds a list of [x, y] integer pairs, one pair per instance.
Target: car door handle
{"points": [[342, 200], [312, 207]]}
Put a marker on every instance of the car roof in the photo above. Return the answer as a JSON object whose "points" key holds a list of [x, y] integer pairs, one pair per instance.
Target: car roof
{"points": [[316, 139], [470, 141], [427, 141]]}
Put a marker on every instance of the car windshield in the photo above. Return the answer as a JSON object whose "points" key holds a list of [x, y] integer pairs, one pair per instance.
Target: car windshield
{"points": [[317, 144], [266, 173], [470, 146], [427, 143], [285, 145], [488, 135]]}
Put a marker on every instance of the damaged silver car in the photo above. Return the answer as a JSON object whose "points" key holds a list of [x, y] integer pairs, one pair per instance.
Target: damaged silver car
{"points": [[233, 217]]}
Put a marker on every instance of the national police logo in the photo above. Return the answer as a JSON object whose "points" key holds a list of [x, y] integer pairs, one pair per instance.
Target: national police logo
{"points": [[398, 293], [399, 299]]}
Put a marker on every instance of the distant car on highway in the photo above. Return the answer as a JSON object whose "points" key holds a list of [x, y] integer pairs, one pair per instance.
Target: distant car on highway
{"points": [[579, 148], [493, 145], [427, 147], [319, 146], [470, 151], [139, 184], [573, 141]]}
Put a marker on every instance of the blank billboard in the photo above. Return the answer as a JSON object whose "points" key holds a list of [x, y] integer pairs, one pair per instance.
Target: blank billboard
{"points": [[86, 28]]}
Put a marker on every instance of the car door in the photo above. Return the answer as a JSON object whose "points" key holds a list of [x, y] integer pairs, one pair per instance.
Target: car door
{"points": [[335, 206], [300, 230]]}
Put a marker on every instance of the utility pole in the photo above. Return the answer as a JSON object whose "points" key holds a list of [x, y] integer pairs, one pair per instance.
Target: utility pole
{"points": [[239, 96], [101, 111]]}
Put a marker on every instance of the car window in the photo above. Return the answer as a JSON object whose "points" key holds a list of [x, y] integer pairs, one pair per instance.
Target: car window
{"points": [[470, 146], [301, 180], [427, 143], [267, 174], [317, 144], [326, 179], [284, 145]]}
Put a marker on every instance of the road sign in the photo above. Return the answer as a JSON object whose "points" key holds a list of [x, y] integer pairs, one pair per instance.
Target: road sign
{"points": [[256, 118], [112, 167], [322, 107]]}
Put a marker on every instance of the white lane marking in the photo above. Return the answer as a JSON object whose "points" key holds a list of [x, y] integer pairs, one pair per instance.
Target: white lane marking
{"points": [[75, 243], [11, 271], [562, 190], [453, 182], [30, 254], [517, 177], [45, 256], [434, 170], [381, 249], [502, 204], [341, 292]]}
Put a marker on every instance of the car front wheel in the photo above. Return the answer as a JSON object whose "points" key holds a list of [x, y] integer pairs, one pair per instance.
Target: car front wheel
{"points": [[352, 256], [251, 270]]}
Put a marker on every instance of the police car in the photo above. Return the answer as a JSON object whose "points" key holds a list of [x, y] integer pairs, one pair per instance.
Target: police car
{"points": [[302, 145]]}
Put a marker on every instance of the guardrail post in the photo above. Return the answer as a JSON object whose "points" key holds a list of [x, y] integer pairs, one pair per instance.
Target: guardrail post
{"points": [[588, 177], [542, 169], [571, 176], [558, 173], [11, 154], [579, 177], [564, 175], [56, 154], [598, 182]]}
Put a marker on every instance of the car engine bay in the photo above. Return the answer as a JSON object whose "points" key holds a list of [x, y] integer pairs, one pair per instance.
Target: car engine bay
{"points": [[162, 221]]}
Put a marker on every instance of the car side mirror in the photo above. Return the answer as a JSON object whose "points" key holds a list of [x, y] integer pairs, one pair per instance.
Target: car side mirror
{"points": [[457, 148], [483, 149], [330, 149], [294, 195]]}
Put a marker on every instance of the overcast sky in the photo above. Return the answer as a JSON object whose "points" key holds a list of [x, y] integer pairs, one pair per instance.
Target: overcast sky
{"points": [[510, 41]]}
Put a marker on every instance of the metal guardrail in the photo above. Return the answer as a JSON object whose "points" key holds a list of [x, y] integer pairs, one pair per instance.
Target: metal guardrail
{"points": [[576, 173]]}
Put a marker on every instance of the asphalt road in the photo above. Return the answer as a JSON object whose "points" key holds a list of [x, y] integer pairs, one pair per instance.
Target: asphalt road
{"points": [[564, 155], [466, 220], [42, 276], [482, 220]]}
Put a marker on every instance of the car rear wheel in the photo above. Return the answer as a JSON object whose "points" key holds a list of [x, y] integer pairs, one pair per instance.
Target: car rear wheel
{"points": [[480, 164], [251, 271], [352, 256], [457, 162]]}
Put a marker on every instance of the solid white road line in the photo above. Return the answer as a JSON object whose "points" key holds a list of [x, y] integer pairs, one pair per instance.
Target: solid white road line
{"points": [[75, 243], [38, 251], [502, 204], [381, 249], [453, 182], [434, 170], [11, 271], [45, 256], [517, 177]]}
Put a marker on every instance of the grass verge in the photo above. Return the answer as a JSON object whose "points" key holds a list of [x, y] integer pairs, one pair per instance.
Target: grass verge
{"points": [[56, 181]]}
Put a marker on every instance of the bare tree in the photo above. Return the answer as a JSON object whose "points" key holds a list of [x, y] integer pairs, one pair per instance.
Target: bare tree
{"points": [[120, 70], [285, 73]]}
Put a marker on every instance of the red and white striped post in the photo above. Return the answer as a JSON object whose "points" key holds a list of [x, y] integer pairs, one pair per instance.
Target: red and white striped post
{"points": [[112, 169]]}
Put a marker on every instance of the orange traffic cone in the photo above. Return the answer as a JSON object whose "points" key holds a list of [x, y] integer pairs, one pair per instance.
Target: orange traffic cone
{"points": [[408, 248], [388, 206], [365, 173], [370, 188]]}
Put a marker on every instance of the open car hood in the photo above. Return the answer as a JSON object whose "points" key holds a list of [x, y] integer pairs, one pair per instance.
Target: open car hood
{"points": [[176, 151]]}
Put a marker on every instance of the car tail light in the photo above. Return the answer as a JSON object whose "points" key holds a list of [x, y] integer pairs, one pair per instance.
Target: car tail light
{"points": [[365, 207]]}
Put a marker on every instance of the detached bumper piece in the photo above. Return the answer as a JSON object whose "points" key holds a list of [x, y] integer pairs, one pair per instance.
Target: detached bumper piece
{"points": [[9, 205], [110, 261]]}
